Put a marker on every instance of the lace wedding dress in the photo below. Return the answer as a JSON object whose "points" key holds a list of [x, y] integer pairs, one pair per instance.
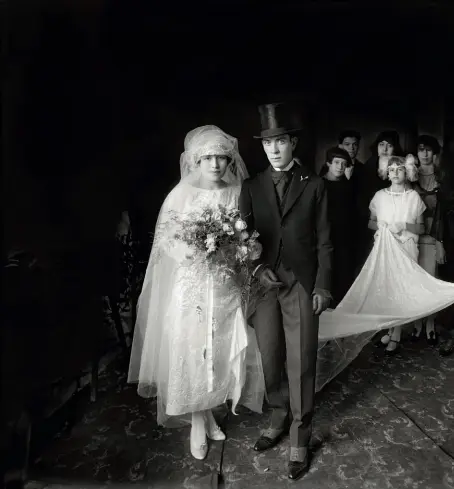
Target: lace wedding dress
{"points": [[192, 347], [391, 290]]}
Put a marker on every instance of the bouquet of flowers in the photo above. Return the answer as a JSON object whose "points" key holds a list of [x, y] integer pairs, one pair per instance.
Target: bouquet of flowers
{"points": [[221, 241]]}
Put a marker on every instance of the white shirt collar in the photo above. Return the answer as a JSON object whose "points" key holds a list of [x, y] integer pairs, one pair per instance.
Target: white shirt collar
{"points": [[288, 167]]}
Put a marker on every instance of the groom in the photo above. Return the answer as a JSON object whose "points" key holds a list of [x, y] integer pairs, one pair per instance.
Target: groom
{"points": [[287, 205]]}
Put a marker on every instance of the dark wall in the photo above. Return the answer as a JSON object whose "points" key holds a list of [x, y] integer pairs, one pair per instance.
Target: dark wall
{"points": [[69, 164], [237, 117], [102, 93]]}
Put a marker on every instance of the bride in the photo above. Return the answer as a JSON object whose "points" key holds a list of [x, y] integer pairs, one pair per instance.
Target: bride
{"points": [[191, 345]]}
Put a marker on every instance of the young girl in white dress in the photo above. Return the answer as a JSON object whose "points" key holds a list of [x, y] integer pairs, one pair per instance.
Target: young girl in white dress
{"points": [[392, 289], [400, 209], [191, 346]]}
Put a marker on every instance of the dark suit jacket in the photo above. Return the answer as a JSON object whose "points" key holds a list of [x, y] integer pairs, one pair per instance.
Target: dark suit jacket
{"points": [[302, 227]]}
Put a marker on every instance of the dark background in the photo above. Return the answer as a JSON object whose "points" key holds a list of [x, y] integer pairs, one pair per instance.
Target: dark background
{"points": [[100, 94]]}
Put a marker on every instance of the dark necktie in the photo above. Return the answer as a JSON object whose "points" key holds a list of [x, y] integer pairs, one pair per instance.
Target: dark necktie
{"points": [[281, 180]]}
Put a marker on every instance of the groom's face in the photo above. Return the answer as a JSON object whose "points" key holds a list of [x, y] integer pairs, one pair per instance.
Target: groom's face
{"points": [[279, 150]]}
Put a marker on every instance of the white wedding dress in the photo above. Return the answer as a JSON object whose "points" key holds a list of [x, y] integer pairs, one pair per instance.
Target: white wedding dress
{"points": [[391, 290], [192, 347]]}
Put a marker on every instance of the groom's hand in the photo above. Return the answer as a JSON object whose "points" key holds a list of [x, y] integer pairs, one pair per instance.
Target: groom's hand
{"points": [[319, 303], [268, 278]]}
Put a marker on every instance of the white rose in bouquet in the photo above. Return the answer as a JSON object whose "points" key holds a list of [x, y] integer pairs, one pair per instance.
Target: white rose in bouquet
{"points": [[240, 225], [242, 252], [227, 228], [244, 235], [210, 243]]}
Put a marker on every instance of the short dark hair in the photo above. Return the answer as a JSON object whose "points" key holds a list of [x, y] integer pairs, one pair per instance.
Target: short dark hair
{"points": [[337, 152], [349, 133], [391, 137], [429, 141]]}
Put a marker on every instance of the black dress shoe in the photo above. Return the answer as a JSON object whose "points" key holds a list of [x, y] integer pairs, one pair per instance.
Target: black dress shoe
{"points": [[265, 442], [298, 469]]}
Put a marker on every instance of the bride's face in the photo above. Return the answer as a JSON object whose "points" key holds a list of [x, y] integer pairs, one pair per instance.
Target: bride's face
{"points": [[213, 167]]}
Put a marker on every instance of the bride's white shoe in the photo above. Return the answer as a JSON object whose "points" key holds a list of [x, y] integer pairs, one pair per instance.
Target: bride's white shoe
{"points": [[199, 451], [385, 339], [213, 431], [199, 448]]}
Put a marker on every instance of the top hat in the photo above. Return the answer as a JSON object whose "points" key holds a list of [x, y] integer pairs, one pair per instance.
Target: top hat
{"points": [[277, 119]]}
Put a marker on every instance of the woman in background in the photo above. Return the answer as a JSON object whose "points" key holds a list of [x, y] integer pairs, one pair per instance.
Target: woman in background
{"points": [[431, 250], [342, 217]]}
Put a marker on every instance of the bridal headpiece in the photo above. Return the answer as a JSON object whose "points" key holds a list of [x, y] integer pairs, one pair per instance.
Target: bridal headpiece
{"points": [[211, 140]]}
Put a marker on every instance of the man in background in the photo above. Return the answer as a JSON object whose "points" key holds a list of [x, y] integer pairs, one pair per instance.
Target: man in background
{"points": [[349, 140]]}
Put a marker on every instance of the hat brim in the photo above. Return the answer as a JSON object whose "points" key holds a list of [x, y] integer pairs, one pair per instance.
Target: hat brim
{"points": [[430, 141], [278, 131]]}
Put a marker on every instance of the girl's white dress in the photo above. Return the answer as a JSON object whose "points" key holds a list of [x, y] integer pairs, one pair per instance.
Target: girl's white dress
{"points": [[391, 289], [192, 347], [391, 207]]}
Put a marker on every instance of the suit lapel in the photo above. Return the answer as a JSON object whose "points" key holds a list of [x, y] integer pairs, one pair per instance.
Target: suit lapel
{"points": [[299, 182], [270, 192]]}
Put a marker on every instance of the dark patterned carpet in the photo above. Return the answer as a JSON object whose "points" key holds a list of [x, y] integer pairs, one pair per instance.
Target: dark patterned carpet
{"points": [[383, 423]]}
